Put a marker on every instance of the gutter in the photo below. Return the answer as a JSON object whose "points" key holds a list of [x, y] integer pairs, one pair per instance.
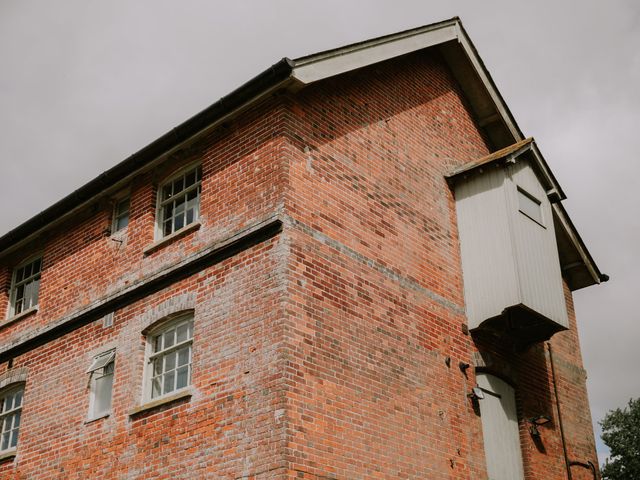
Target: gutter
{"points": [[263, 83]]}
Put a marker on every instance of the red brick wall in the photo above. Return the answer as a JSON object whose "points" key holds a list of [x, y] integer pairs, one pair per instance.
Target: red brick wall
{"points": [[328, 351], [242, 182], [377, 296]]}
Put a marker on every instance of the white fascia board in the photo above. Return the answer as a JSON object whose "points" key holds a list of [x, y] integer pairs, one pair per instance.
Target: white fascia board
{"points": [[563, 218], [478, 66], [313, 68], [543, 167], [318, 67]]}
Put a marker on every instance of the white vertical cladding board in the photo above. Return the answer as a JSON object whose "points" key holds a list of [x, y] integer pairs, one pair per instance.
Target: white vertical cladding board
{"points": [[489, 272], [537, 261], [500, 432]]}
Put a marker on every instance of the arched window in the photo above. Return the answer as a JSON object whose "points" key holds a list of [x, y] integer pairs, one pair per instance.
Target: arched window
{"points": [[169, 353]]}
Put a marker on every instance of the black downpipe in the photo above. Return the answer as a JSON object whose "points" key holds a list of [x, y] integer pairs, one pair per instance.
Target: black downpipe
{"points": [[555, 391]]}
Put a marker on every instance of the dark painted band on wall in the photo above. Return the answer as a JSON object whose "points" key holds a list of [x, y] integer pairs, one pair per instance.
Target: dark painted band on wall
{"points": [[212, 255]]}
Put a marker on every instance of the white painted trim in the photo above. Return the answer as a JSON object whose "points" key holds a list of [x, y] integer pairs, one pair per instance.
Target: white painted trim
{"points": [[315, 68], [501, 107], [577, 244]]}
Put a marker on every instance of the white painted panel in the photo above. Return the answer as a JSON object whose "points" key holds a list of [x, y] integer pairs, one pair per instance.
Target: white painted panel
{"points": [[536, 249], [500, 429], [489, 271], [361, 56]]}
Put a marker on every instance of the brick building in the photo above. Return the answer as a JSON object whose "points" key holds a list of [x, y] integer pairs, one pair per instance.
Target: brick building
{"points": [[354, 266]]}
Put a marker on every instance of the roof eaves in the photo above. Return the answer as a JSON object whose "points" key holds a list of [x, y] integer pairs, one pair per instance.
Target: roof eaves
{"points": [[334, 52], [578, 243], [262, 83], [487, 79], [329, 63]]}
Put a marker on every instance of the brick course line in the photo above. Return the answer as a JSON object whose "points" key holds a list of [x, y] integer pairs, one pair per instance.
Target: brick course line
{"points": [[172, 273], [402, 280]]}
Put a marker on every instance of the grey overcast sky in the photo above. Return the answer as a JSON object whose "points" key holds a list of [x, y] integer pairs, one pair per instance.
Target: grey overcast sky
{"points": [[84, 84]]}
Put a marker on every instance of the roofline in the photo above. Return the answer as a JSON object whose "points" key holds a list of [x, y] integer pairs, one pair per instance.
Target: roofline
{"points": [[491, 86], [246, 94], [334, 52], [285, 73], [270, 79], [583, 251]]}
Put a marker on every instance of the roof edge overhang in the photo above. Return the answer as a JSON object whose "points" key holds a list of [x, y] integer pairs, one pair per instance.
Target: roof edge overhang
{"points": [[578, 266], [275, 77], [458, 51]]}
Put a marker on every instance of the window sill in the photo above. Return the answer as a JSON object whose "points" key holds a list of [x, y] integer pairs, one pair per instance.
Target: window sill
{"points": [[91, 420], [8, 455], [187, 393], [28, 312], [170, 238]]}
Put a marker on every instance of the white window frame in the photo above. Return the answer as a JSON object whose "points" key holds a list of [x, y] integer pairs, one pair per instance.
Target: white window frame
{"points": [[161, 203], [151, 355], [10, 414], [116, 216], [15, 285], [102, 366]]}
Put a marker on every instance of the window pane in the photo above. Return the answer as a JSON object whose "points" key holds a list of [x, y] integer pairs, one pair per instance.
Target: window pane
{"points": [[170, 361], [178, 185], [19, 305], [155, 387], [167, 227], [169, 379], [179, 202], [20, 292], [8, 403], [166, 192], [14, 438], [190, 179], [157, 366], [184, 355], [183, 377], [169, 339], [5, 440], [108, 369], [28, 294], [34, 292], [122, 222], [157, 343], [17, 399], [36, 265], [179, 222], [104, 386], [19, 274], [183, 332]]}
